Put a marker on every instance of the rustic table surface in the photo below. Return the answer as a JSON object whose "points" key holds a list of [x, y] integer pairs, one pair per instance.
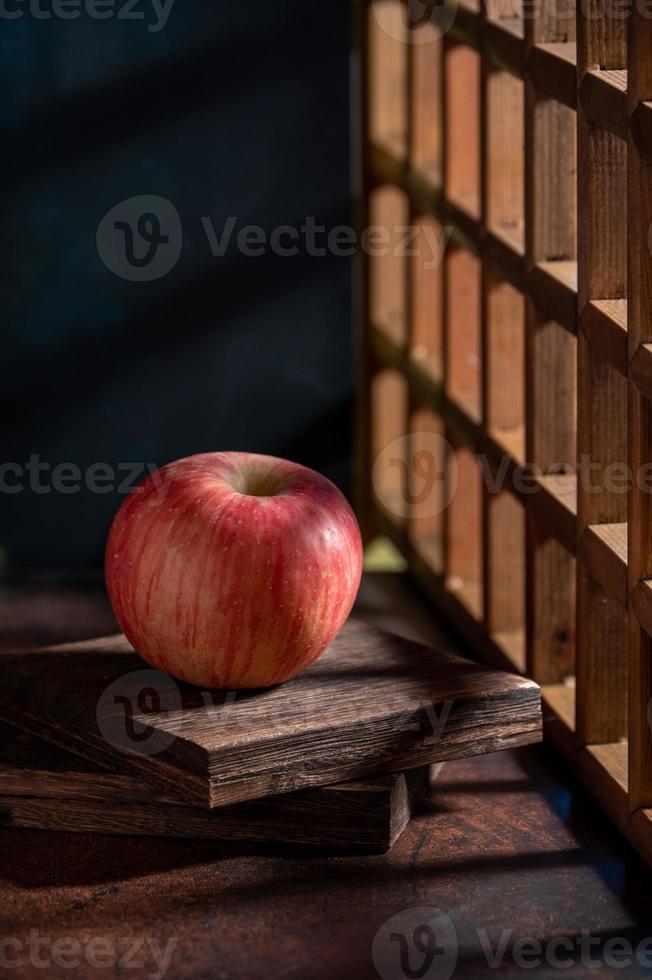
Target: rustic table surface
{"points": [[524, 867]]}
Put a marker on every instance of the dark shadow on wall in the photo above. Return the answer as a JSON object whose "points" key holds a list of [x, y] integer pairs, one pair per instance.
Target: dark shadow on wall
{"points": [[228, 111]]}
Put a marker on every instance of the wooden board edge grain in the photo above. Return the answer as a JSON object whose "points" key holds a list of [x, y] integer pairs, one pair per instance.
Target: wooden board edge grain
{"points": [[164, 779], [408, 791], [485, 710], [367, 816], [521, 727], [372, 825], [517, 728]]}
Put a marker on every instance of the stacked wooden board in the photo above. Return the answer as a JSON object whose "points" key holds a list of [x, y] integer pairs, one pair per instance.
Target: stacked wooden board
{"points": [[337, 757]]}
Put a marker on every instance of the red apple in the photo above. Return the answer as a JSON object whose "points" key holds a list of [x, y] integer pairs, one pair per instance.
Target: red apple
{"points": [[233, 570]]}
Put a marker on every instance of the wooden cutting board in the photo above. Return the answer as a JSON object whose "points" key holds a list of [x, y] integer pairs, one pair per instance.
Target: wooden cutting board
{"points": [[47, 788], [373, 703]]}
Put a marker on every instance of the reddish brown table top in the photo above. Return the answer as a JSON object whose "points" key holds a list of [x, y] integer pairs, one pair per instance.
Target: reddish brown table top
{"points": [[506, 846]]}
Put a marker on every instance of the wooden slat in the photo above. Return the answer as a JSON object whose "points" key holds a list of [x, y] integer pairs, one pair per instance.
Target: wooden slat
{"points": [[551, 69], [503, 161], [425, 110], [559, 713], [640, 369], [462, 145], [503, 252], [463, 343], [389, 402], [426, 484], [464, 519], [641, 128], [550, 354], [642, 604], [639, 329], [389, 213], [553, 287], [603, 549], [465, 27], [603, 97], [555, 507], [388, 76], [503, 326], [425, 335], [503, 357], [361, 81], [511, 643], [602, 396], [504, 556], [502, 43], [604, 324]]}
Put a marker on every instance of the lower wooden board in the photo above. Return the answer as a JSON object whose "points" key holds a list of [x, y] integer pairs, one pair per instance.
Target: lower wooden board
{"points": [[46, 788], [373, 703]]}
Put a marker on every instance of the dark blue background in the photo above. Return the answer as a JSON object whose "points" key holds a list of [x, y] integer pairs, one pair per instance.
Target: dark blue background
{"points": [[232, 109]]}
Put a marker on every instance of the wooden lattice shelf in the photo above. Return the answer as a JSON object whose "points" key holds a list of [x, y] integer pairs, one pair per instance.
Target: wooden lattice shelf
{"points": [[523, 144]]}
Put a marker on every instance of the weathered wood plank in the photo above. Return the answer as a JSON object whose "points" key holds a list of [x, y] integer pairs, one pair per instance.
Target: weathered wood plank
{"points": [[373, 703], [50, 789]]}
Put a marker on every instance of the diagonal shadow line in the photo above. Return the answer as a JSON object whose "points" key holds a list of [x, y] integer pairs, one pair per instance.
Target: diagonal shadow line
{"points": [[57, 131], [196, 303], [375, 875], [127, 858]]}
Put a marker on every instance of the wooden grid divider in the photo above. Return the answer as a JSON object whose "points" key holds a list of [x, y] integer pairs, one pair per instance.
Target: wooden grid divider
{"points": [[601, 672], [550, 244], [520, 139], [639, 328]]}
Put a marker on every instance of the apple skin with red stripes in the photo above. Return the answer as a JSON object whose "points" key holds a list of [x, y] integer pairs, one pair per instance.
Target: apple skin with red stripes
{"points": [[233, 570]]}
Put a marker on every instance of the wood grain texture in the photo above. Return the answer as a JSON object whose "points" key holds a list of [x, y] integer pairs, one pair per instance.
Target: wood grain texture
{"points": [[603, 549], [361, 85], [639, 327], [426, 295], [462, 338], [389, 402], [587, 285], [503, 328], [389, 214], [504, 557], [427, 489], [46, 788], [463, 528], [388, 73], [601, 658], [550, 413], [461, 114], [371, 704], [425, 107], [604, 324]]}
